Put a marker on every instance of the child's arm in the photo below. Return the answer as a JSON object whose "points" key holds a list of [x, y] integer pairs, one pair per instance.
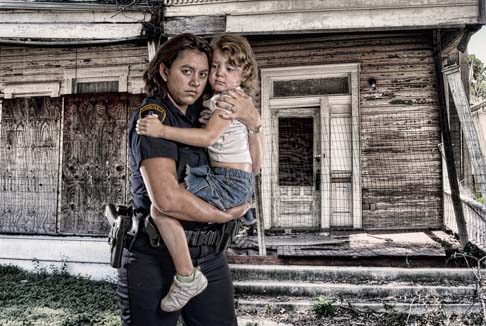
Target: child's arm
{"points": [[201, 137]]}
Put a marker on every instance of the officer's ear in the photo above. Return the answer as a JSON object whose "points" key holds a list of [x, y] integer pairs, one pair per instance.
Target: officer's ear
{"points": [[164, 72]]}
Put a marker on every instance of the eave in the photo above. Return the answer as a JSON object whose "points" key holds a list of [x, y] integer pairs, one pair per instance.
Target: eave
{"points": [[52, 22], [306, 16]]}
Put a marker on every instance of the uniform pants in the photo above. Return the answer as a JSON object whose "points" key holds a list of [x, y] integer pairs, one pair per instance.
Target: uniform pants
{"points": [[145, 278]]}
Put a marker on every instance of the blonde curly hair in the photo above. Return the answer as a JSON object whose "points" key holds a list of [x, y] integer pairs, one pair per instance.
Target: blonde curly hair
{"points": [[240, 54]]}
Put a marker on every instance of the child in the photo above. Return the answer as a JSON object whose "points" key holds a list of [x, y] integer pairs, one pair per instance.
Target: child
{"points": [[229, 182]]}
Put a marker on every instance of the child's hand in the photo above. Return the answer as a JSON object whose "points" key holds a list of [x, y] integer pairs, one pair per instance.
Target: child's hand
{"points": [[150, 126], [204, 116]]}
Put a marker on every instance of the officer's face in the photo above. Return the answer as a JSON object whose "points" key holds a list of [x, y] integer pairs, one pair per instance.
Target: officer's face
{"points": [[186, 78]]}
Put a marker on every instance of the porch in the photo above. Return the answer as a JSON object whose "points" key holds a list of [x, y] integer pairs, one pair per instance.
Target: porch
{"points": [[343, 248]]}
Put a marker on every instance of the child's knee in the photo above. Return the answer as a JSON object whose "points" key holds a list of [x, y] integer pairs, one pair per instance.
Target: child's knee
{"points": [[161, 218]]}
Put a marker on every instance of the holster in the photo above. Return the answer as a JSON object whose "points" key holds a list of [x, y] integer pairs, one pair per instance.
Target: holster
{"points": [[120, 220], [229, 231]]}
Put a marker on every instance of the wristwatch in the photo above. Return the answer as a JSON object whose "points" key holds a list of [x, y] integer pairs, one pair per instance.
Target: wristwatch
{"points": [[255, 131]]}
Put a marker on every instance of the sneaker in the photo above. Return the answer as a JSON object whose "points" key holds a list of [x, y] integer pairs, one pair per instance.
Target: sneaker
{"points": [[181, 292]]}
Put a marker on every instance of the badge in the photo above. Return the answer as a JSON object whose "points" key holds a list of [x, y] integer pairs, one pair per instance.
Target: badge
{"points": [[153, 109]]}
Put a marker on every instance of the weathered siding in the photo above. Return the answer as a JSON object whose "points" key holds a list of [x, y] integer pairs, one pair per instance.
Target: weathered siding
{"points": [[400, 132], [30, 65], [88, 147], [63, 158]]}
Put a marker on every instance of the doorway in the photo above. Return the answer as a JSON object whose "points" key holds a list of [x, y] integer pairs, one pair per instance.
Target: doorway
{"points": [[311, 173]]}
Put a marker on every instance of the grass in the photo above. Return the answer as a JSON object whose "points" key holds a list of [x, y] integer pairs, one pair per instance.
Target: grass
{"points": [[55, 299]]}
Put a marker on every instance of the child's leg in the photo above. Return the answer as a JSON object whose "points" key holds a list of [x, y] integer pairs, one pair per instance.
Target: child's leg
{"points": [[175, 239], [188, 281]]}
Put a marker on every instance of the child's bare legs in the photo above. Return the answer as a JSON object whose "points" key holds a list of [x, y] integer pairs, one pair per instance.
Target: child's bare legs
{"points": [[175, 239], [188, 281]]}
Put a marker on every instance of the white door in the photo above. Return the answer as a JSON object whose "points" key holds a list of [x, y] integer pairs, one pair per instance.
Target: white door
{"points": [[297, 193], [311, 174]]}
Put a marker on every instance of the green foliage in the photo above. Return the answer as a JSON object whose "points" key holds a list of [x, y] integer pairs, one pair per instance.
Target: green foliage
{"points": [[323, 307], [55, 298], [478, 79]]}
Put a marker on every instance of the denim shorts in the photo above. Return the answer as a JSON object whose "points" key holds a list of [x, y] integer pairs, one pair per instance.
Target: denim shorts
{"points": [[222, 187]]}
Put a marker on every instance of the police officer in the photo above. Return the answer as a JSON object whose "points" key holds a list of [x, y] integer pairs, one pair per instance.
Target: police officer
{"points": [[158, 166]]}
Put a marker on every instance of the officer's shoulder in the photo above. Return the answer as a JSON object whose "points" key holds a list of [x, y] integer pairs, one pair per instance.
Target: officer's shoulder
{"points": [[153, 106]]}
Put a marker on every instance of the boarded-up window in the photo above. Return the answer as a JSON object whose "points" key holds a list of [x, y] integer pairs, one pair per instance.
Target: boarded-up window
{"points": [[29, 167], [310, 87], [94, 168]]}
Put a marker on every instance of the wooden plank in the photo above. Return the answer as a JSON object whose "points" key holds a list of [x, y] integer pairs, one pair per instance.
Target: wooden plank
{"points": [[19, 17], [201, 25], [71, 31], [219, 7], [94, 169], [444, 16], [29, 148], [470, 133]]}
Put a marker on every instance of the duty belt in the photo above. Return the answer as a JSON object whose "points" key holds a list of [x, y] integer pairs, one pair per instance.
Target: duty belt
{"points": [[196, 238]]}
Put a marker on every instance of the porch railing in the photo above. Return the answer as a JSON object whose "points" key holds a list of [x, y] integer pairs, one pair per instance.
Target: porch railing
{"points": [[475, 216]]}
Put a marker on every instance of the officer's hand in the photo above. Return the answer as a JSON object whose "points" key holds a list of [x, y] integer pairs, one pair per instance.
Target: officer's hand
{"points": [[242, 108], [238, 211], [204, 116], [150, 126]]}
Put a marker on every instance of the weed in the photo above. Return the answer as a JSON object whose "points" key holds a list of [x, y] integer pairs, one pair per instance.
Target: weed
{"points": [[55, 299], [323, 307]]}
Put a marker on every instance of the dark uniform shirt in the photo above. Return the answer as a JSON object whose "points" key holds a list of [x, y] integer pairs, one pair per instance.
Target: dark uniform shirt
{"points": [[144, 147]]}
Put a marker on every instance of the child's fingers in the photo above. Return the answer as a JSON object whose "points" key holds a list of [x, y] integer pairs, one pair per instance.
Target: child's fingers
{"points": [[226, 116], [141, 127]]}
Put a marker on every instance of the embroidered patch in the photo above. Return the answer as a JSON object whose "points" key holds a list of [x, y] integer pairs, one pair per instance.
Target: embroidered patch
{"points": [[151, 109]]}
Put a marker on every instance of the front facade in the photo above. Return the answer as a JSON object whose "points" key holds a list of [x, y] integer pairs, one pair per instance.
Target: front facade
{"points": [[350, 104], [347, 92]]}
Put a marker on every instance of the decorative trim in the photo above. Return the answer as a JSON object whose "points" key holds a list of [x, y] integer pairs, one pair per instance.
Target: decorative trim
{"points": [[14, 90], [74, 75]]}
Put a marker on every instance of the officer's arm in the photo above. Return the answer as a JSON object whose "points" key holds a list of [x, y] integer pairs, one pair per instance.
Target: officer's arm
{"points": [[255, 142], [160, 178]]}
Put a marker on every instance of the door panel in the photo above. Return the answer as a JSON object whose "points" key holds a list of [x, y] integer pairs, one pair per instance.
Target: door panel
{"points": [[341, 208], [297, 197]]}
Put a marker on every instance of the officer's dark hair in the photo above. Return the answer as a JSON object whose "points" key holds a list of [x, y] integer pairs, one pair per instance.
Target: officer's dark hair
{"points": [[167, 54]]}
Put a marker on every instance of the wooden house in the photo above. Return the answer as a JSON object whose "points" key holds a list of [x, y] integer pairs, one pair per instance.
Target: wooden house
{"points": [[349, 92]]}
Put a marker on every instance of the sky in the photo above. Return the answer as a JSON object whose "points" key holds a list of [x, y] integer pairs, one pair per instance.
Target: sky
{"points": [[477, 44]]}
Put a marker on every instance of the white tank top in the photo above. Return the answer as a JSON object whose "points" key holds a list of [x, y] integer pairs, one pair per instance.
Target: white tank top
{"points": [[232, 146]]}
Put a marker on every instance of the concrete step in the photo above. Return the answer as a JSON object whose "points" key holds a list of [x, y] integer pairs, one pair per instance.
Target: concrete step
{"points": [[377, 288], [258, 304], [386, 292], [354, 275]]}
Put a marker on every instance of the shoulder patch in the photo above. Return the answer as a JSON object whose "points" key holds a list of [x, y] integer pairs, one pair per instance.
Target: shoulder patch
{"points": [[151, 109]]}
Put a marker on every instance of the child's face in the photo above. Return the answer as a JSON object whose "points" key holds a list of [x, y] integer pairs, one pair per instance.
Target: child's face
{"points": [[222, 75]]}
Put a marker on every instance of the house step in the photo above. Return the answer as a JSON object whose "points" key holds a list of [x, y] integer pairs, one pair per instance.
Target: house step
{"points": [[354, 275], [378, 288], [390, 291], [257, 304]]}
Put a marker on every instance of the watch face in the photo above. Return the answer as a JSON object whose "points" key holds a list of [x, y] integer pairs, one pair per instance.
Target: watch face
{"points": [[256, 130]]}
